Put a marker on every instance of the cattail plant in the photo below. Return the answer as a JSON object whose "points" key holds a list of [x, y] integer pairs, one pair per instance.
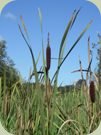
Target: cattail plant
{"points": [[92, 91], [48, 56]]}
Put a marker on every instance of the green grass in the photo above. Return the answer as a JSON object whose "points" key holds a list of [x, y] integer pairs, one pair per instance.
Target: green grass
{"points": [[26, 111]]}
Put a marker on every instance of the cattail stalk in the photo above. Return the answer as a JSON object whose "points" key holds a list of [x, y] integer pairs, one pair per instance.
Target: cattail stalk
{"points": [[91, 107], [92, 91], [48, 85], [48, 56]]}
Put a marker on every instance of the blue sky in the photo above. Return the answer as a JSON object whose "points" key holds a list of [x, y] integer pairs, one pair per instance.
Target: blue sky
{"points": [[56, 14]]}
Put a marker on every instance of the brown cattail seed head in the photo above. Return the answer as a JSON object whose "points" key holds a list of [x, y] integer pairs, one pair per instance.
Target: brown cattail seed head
{"points": [[48, 55], [92, 91]]}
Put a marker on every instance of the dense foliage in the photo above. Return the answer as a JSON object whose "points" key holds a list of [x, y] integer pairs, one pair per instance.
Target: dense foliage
{"points": [[99, 58], [7, 69]]}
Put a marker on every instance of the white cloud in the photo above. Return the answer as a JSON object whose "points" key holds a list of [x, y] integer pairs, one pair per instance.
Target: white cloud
{"points": [[10, 16]]}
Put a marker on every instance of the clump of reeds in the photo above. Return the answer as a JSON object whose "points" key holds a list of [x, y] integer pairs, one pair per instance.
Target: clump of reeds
{"points": [[92, 91]]}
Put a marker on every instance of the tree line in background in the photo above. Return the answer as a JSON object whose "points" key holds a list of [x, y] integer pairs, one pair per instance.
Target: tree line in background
{"points": [[99, 58], [10, 74]]}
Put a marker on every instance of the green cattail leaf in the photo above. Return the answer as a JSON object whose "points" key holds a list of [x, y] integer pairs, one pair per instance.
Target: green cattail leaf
{"points": [[40, 17], [75, 43], [38, 58], [69, 26], [88, 50], [75, 16], [64, 38], [32, 74], [32, 55], [80, 63], [63, 41], [24, 27], [43, 56]]}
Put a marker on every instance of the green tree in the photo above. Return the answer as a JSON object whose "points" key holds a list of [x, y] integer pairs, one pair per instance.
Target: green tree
{"points": [[99, 58], [98, 47], [2, 56], [7, 70]]}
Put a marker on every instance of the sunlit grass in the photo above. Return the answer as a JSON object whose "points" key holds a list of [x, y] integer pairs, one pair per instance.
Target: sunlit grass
{"points": [[28, 112]]}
